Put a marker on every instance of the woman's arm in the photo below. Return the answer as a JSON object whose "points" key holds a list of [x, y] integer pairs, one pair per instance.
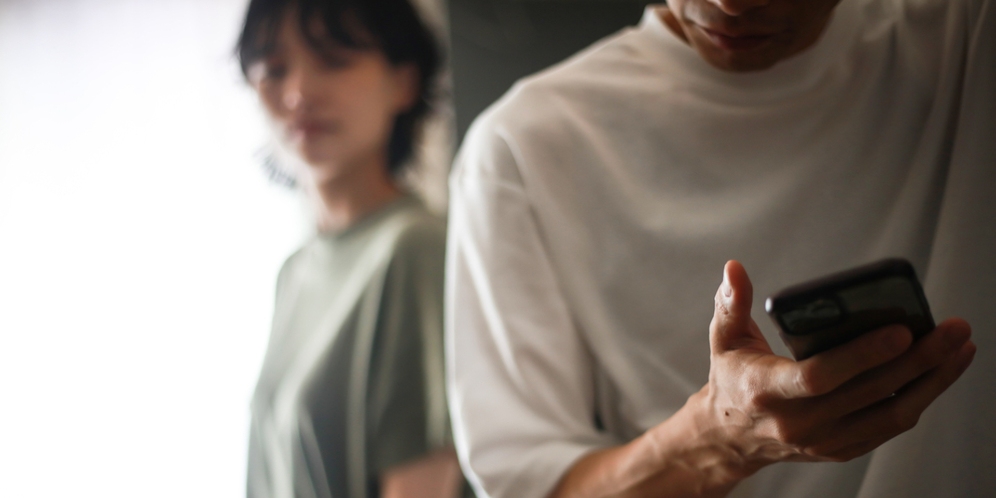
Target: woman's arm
{"points": [[409, 449], [436, 475]]}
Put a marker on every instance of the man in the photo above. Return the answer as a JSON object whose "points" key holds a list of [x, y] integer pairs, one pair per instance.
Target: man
{"points": [[595, 204]]}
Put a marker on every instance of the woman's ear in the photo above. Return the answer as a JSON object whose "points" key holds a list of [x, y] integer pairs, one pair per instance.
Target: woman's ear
{"points": [[406, 83]]}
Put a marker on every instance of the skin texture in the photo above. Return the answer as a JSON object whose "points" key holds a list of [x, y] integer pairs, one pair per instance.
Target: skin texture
{"points": [[759, 408], [747, 35], [434, 476], [336, 112]]}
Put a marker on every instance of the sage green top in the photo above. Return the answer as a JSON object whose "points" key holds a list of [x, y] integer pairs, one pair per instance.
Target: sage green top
{"points": [[352, 383]]}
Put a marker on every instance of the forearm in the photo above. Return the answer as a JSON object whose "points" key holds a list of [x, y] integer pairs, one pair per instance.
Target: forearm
{"points": [[436, 475], [681, 457]]}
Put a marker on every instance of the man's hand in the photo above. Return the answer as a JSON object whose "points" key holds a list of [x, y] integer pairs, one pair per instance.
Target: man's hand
{"points": [[759, 408], [834, 406]]}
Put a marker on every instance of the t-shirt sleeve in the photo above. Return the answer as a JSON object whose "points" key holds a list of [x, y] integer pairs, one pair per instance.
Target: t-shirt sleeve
{"points": [[520, 376], [406, 400]]}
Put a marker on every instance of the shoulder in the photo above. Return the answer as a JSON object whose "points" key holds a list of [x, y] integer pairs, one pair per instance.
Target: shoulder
{"points": [[934, 19], [416, 235], [294, 265], [933, 39], [415, 226], [920, 9], [559, 98]]}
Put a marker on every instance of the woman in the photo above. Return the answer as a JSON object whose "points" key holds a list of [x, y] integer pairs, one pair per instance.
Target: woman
{"points": [[350, 401]]}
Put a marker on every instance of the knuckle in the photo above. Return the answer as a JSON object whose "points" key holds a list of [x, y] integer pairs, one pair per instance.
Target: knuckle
{"points": [[808, 381], [816, 452], [760, 404], [824, 453], [790, 435], [721, 308], [760, 396]]}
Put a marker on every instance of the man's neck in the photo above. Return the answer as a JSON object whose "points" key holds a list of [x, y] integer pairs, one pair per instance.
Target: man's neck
{"points": [[667, 17]]}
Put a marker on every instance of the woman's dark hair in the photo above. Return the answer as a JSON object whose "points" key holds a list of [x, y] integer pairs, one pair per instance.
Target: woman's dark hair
{"points": [[391, 26]]}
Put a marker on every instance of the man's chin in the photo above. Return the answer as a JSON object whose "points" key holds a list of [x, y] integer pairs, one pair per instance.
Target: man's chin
{"points": [[739, 62]]}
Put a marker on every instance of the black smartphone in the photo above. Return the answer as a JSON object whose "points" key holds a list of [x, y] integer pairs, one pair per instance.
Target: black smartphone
{"points": [[820, 314]]}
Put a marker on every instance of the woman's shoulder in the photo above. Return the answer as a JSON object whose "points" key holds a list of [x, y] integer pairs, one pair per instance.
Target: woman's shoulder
{"points": [[412, 226], [405, 235], [416, 233]]}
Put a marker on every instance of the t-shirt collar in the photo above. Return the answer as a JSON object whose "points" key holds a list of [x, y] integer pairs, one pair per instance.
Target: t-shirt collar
{"points": [[798, 73]]}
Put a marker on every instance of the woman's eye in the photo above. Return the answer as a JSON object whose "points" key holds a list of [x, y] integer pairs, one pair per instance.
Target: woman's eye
{"points": [[337, 58], [274, 71], [266, 72], [335, 62]]}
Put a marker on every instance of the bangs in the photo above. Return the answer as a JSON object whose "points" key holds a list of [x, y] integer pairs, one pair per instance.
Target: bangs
{"points": [[324, 25], [390, 26]]}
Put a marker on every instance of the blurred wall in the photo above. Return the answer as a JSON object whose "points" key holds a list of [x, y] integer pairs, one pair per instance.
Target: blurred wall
{"points": [[139, 245], [496, 42]]}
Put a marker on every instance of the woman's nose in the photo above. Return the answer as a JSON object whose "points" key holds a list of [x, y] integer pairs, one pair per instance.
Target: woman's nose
{"points": [[738, 7], [293, 92], [299, 89], [292, 97]]}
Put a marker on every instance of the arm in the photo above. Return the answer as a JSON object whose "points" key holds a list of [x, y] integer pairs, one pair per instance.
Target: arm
{"points": [[759, 408], [409, 448], [519, 374], [436, 475]]}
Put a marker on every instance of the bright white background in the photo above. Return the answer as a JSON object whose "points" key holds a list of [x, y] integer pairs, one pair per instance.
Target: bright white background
{"points": [[139, 243]]}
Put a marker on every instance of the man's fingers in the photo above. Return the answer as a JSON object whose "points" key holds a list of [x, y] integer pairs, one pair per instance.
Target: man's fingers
{"points": [[901, 412], [862, 431], [824, 372], [731, 326], [855, 450], [926, 354]]}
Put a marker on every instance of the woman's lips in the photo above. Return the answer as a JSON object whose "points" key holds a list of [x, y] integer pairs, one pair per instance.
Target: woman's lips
{"points": [[736, 42], [310, 129]]}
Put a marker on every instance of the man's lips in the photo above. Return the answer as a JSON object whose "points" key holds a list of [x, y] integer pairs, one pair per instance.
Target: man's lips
{"points": [[736, 42]]}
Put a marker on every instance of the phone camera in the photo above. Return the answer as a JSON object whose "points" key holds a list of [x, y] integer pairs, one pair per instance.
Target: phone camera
{"points": [[814, 315]]}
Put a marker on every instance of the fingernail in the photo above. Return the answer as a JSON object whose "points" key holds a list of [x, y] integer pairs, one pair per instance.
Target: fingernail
{"points": [[727, 289]]}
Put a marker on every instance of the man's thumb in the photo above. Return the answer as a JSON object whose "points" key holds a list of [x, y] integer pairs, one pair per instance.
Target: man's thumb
{"points": [[732, 327]]}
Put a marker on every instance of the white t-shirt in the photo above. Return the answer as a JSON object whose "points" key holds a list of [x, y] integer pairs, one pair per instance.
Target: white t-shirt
{"points": [[593, 208]]}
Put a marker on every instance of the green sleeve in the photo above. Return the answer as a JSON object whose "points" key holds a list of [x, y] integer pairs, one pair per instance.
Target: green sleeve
{"points": [[406, 402]]}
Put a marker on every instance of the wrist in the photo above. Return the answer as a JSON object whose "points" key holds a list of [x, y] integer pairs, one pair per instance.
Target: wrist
{"points": [[705, 441]]}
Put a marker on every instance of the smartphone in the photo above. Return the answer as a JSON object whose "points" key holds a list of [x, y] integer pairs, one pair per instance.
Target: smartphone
{"points": [[824, 313]]}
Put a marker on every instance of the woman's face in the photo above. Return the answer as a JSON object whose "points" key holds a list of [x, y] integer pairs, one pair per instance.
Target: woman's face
{"points": [[335, 109]]}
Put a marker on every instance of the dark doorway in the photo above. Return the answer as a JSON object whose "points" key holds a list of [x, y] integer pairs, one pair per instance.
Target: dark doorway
{"points": [[496, 42]]}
